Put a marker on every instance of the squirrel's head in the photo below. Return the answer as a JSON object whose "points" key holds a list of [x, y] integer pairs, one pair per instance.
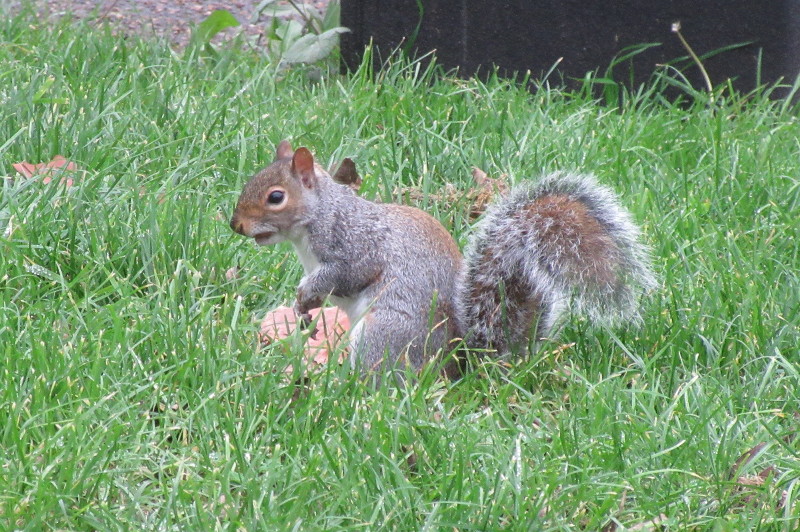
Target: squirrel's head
{"points": [[278, 198]]}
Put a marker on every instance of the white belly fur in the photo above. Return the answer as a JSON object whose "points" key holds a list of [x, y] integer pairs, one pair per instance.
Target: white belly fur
{"points": [[355, 307], [303, 249]]}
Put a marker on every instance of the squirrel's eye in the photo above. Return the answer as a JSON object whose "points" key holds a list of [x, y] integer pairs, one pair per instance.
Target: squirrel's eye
{"points": [[275, 197]]}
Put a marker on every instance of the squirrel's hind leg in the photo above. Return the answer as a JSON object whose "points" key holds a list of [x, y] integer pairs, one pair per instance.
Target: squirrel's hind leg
{"points": [[383, 339]]}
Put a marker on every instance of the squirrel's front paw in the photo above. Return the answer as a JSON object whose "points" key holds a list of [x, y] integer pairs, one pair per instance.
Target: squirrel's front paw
{"points": [[305, 318], [306, 301]]}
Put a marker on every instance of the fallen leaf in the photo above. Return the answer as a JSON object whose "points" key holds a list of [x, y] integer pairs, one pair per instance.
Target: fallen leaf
{"points": [[58, 165], [348, 175], [488, 188], [478, 197], [411, 457], [746, 486], [331, 325], [478, 175], [744, 459]]}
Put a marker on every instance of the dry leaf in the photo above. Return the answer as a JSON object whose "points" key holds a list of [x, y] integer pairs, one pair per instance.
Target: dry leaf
{"points": [[331, 328], [478, 175], [348, 175], [746, 486], [478, 197], [58, 165], [232, 273], [488, 188]]}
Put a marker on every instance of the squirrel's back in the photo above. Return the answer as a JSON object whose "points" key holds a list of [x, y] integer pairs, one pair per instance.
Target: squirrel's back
{"points": [[408, 306]]}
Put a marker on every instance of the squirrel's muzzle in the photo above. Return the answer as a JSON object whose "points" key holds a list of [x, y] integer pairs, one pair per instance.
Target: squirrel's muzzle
{"points": [[237, 225]]}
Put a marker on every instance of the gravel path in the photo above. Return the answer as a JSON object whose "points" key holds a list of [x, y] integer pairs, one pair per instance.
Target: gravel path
{"points": [[171, 19]]}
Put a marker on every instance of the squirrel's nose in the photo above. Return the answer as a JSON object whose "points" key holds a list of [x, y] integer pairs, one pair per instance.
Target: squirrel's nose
{"points": [[237, 226]]}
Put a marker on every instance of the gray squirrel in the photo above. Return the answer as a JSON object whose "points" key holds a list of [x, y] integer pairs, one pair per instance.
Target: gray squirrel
{"points": [[561, 242]]}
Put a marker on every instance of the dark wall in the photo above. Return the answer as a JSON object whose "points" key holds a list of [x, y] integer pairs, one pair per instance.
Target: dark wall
{"points": [[523, 35]]}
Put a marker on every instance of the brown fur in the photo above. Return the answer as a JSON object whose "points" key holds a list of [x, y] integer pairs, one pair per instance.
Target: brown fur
{"points": [[576, 235]]}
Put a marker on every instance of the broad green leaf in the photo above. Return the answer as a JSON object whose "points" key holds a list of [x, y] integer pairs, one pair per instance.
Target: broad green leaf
{"points": [[311, 48], [332, 15], [259, 8], [213, 24]]}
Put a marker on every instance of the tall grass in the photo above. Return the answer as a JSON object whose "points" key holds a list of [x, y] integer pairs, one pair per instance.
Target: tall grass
{"points": [[134, 394]]}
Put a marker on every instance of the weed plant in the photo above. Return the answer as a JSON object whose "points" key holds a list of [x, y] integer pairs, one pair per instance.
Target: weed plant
{"points": [[134, 393]]}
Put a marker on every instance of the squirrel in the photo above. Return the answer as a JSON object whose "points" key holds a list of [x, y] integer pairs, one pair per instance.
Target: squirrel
{"points": [[561, 242]]}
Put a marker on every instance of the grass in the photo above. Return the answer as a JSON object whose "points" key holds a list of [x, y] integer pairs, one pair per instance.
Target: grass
{"points": [[134, 394]]}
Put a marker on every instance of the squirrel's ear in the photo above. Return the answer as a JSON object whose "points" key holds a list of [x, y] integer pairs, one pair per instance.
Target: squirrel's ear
{"points": [[303, 167], [348, 175], [283, 151]]}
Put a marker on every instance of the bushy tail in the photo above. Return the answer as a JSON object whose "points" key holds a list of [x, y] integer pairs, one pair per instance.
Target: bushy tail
{"points": [[562, 242]]}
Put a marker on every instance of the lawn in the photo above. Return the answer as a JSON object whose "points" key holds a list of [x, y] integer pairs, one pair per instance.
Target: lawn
{"points": [[134, 393]]}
